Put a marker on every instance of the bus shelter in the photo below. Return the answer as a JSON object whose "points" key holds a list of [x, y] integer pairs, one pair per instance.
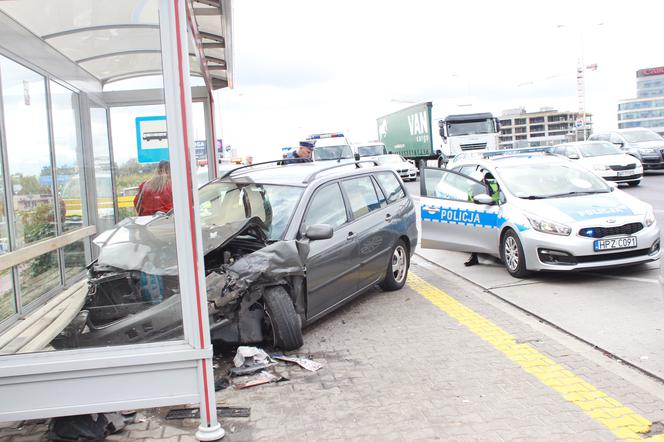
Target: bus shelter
{"points": [[93, 95]]}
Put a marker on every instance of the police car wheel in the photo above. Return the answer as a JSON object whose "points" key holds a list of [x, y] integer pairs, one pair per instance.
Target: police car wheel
{"points": [[397, 268], [513, 256]]}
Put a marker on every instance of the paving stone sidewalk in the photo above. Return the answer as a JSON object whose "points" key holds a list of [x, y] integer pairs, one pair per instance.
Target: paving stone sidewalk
{"points": [[398, 368]]}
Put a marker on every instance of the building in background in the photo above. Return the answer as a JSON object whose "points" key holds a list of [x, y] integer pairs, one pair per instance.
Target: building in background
{"points": [[647, 109], [546, 127]]}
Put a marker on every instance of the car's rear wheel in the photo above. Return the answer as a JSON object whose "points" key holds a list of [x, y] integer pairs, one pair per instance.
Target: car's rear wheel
{"points": [[397, 267], [513, 256], [283, 326], [634, 183]]}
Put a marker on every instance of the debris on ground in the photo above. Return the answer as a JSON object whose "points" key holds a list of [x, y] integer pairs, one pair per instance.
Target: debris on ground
{"points": [[195, 413], [251, 368], [305, 363], [85, 427], [221, 384], [256, 354], [264, 377]]}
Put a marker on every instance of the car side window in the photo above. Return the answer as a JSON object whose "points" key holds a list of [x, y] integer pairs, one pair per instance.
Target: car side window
{"points": [[327, 207], [361, 195], [444, 184], [391, 186]]}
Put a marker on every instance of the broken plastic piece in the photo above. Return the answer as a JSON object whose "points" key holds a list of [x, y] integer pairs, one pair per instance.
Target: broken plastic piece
{"points": [[307, 364], [264, 377], [244, 352]]}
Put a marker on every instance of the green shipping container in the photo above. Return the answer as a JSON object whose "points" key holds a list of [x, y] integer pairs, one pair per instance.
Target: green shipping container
{"points": [[407, 132]]}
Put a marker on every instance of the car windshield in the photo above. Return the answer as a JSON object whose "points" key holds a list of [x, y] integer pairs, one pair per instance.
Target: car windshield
{"points": [[537, 181], [598, 149], [333, 153], [641, 136], [366, 151], [224, 202], [390, 159], [470, 128]]}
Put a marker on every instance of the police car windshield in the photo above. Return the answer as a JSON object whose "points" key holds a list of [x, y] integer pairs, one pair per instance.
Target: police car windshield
{"points": [[224, 202], [539, 181], [599, 149], [333, 153]]}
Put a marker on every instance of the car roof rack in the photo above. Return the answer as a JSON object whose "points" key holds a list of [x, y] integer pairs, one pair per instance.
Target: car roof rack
{"points": [[276, 162], [355, 163]]}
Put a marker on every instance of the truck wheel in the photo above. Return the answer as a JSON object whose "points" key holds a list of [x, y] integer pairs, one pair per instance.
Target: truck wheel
{"points": [[283, 325], [397, 268]]}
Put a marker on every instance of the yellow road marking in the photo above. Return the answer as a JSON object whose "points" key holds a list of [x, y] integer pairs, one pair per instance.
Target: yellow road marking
{"points": [[624, 422]]}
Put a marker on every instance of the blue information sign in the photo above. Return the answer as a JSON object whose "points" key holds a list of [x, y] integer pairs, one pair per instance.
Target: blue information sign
{"points": [[151, 139]]}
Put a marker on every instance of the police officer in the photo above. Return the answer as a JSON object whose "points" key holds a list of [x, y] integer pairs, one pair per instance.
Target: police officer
{"points": [[302, 154], [494, 192]]}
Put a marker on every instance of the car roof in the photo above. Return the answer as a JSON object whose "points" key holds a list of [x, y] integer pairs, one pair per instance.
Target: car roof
{"points": [[300, 174], [515, 160], [582, 143]]}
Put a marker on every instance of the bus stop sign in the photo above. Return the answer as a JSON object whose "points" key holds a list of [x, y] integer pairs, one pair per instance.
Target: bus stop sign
{"points": [[151, 139]]}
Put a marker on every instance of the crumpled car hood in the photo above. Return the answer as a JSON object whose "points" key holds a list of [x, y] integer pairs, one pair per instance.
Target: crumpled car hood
{"points": [[147, 243]]}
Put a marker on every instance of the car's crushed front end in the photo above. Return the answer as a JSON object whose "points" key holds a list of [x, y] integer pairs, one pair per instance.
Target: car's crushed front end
{"points": [[133, 294]]}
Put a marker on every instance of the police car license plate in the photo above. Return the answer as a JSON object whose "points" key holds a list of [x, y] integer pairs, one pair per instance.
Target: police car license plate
{"points": [[626, 242], [625, 172]]}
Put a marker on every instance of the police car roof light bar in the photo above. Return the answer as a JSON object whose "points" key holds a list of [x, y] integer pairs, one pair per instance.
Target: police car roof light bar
{"points": [[320, 136], [495, 153], [325, 169]]}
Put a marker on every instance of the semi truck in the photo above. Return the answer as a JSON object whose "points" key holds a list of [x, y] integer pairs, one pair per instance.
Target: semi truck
{"points": [[410, 133]]}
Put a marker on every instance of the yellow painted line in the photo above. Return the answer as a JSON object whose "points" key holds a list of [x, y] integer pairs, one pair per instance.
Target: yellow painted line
{"points": [[624, 422]]}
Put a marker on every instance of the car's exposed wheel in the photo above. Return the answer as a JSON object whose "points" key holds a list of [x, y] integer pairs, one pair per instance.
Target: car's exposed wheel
{"points": [[634, 183], [513, 256], [397, 268], [284, 328]]}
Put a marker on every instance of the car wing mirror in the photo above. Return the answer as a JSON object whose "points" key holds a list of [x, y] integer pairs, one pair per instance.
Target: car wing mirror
{"points": [[483, 198], [319, 231]]}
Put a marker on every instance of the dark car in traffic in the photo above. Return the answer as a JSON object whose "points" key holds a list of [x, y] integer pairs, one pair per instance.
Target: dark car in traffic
{"points": [[284, 245]]}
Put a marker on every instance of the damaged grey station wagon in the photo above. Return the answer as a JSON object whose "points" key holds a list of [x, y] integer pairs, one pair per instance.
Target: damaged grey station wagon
{"points": [[284, 245]]}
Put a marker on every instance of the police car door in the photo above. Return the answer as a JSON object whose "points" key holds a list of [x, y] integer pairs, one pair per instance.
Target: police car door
{"points": [[452, 219]]}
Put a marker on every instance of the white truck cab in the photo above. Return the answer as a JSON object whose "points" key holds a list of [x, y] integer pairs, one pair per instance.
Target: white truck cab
{"points": [[331, 147]]}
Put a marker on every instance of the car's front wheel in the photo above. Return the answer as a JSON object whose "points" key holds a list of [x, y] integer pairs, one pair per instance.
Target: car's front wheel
{"points": [[283, 325], [397, 267], [513, 256]]}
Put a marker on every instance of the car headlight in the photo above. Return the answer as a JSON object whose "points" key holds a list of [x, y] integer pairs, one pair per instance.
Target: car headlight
{"points": [[600, 167], [545, 226], [647, 151], [650, 218]]}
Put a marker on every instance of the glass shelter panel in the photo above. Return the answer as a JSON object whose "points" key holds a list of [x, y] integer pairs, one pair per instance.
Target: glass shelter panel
{"points": [[103, 178], [68, 161]]}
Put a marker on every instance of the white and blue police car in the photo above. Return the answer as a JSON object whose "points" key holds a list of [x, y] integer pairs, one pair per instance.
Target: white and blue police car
{"points": [[548, 213]]}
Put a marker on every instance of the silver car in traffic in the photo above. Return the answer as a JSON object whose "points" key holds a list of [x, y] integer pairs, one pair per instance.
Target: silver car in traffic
{"points": [[547, 214]]}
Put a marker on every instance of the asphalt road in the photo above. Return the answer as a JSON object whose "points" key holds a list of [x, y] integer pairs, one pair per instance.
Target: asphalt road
{"points": [[619, 311]]}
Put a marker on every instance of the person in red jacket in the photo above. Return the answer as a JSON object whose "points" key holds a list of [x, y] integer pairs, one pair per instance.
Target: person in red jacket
{"points": [[156, 194]]}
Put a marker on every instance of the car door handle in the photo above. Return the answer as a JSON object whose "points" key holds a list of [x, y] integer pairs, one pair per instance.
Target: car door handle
{"points": [[432, 209], [351, 235]]}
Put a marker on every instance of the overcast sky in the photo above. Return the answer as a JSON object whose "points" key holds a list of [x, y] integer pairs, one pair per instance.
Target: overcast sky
{"points": [[312, 66]]}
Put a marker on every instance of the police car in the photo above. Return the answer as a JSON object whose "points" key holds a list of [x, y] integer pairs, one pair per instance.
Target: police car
{"points": [[550, 214]]}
